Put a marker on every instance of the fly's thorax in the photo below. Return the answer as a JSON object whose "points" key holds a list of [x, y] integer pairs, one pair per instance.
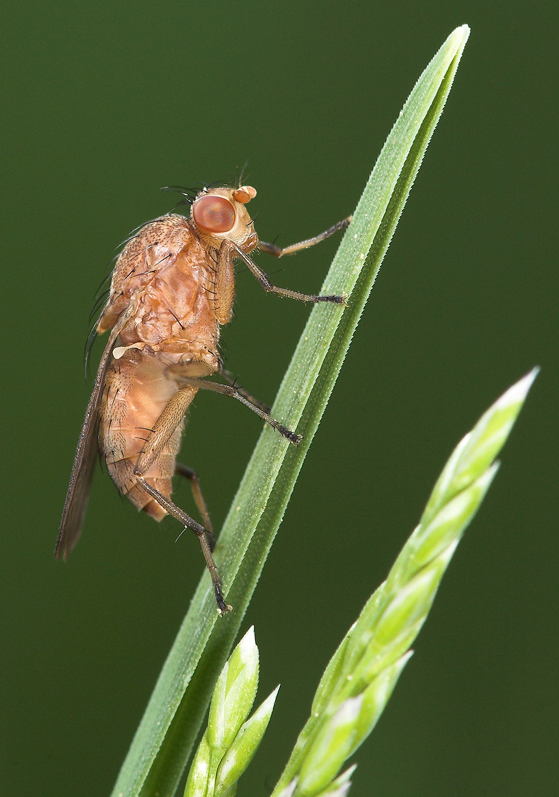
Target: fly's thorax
{"points": [[156, 245], [173, 307], [220, 214], [172, 336]]}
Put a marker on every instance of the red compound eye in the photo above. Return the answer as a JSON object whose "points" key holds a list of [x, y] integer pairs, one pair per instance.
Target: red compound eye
{"points": [[213, 214]]}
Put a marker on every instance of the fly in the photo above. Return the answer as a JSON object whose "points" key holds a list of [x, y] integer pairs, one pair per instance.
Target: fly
{"points": [[172, 290]]}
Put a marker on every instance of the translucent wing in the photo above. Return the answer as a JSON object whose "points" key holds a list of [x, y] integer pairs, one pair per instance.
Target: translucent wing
{"points": [[77, 496]]}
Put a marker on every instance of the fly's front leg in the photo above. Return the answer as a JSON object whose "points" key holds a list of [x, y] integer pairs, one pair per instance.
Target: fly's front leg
{"points": [[264, 280], [202, 534], [224, 283], [280, 251], [234, 392]]}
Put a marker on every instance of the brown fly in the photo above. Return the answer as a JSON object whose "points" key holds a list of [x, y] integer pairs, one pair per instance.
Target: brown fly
{"points": [[172, 289]]}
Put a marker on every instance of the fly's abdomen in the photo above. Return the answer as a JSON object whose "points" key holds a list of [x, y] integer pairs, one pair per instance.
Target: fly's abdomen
{"points": [[136, 393]]}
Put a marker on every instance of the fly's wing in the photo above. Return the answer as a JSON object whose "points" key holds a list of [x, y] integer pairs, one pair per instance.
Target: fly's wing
{"points": [[77, 496]]}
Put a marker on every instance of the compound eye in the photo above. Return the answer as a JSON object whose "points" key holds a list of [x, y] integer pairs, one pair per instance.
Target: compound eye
{"points": [[213, 214]]}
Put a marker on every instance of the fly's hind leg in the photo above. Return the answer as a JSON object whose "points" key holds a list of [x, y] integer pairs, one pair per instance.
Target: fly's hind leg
{"points": [[189, 523], [164, 428], [162, 431], [192, 476]]}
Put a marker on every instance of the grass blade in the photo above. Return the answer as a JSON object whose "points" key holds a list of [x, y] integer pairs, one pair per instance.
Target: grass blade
{"points": [[174, 715], [360, 677]]}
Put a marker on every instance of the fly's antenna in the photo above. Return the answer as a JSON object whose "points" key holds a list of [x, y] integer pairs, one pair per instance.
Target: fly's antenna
{"points": [[243, 174]]}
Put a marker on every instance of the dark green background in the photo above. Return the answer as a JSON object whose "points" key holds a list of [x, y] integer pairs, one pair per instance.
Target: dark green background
{"points": [[105, 102]]}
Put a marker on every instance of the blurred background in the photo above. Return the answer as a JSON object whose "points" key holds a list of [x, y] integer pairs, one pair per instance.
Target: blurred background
{"points": [[105, 102]]}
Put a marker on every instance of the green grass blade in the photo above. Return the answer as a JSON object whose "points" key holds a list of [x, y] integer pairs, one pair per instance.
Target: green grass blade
{"points": [[174, 715]]}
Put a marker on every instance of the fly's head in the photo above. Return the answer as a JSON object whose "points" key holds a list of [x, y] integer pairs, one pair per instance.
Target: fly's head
{"points": [[220, 214]]}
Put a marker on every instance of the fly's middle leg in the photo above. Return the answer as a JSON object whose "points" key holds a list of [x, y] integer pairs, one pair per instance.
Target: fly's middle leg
{"points": [[236, 393], [232, 381]]}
